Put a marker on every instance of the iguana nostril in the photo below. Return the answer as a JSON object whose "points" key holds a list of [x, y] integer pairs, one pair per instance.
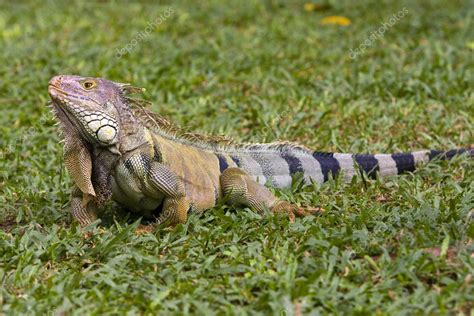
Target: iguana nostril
{"points": [[55, 81]]}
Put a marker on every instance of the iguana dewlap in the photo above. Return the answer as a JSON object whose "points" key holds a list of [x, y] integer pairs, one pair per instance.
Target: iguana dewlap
{"points": [[116, 149]]}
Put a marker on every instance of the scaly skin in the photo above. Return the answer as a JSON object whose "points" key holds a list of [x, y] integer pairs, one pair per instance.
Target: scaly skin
{"points": [[116, 149]]}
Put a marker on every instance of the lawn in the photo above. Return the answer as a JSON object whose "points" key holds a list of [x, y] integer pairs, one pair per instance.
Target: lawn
{"points": [[256, 71]]}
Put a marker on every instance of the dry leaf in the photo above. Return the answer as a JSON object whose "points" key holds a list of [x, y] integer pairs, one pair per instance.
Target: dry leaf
{"points": [[335, 20]]}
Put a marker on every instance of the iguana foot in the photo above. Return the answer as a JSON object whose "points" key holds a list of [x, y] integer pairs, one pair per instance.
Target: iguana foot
{"points": [[284, 207], [86, 235], [83, 209], [145, 229]]}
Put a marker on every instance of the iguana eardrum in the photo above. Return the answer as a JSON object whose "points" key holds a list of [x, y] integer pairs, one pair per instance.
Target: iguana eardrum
{"points": [[117, 149]]}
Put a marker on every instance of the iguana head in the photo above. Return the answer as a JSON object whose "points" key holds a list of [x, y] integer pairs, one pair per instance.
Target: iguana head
{"points": [[88, 105], [94, 112]]}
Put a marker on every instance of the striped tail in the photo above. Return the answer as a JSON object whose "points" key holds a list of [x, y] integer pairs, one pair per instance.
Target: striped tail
{"points": [[278, 167], [383, 164]]}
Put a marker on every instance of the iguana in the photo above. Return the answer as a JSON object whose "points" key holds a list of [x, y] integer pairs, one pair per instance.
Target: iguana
{"points": [[116, 148]]}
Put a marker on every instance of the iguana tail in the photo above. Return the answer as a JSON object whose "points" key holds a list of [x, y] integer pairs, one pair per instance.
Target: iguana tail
{"points": [[278, 166]]}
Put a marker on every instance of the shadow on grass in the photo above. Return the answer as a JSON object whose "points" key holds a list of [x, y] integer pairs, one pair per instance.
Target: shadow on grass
{"points": [[7, 223]]}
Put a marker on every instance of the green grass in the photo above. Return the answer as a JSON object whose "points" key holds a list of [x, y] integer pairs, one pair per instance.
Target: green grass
{"points": [[256, 71]]}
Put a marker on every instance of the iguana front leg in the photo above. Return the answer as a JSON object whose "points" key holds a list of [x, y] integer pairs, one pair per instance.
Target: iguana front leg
{"points": [[175, 205], [83, 209], [78, 162], [156, 181], [79, 165], [239, 188]]}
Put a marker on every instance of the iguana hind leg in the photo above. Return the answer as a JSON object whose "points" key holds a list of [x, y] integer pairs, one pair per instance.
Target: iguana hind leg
{"points": [[239, 188]]}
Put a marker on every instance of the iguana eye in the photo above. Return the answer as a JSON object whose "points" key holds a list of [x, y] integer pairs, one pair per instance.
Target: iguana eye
{"points": [[88, 84]]}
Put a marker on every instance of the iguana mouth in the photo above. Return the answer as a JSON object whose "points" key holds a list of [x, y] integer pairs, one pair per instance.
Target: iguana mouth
{"points": [[54, 91], [58, 97], [56, 94], [52, 87]]}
